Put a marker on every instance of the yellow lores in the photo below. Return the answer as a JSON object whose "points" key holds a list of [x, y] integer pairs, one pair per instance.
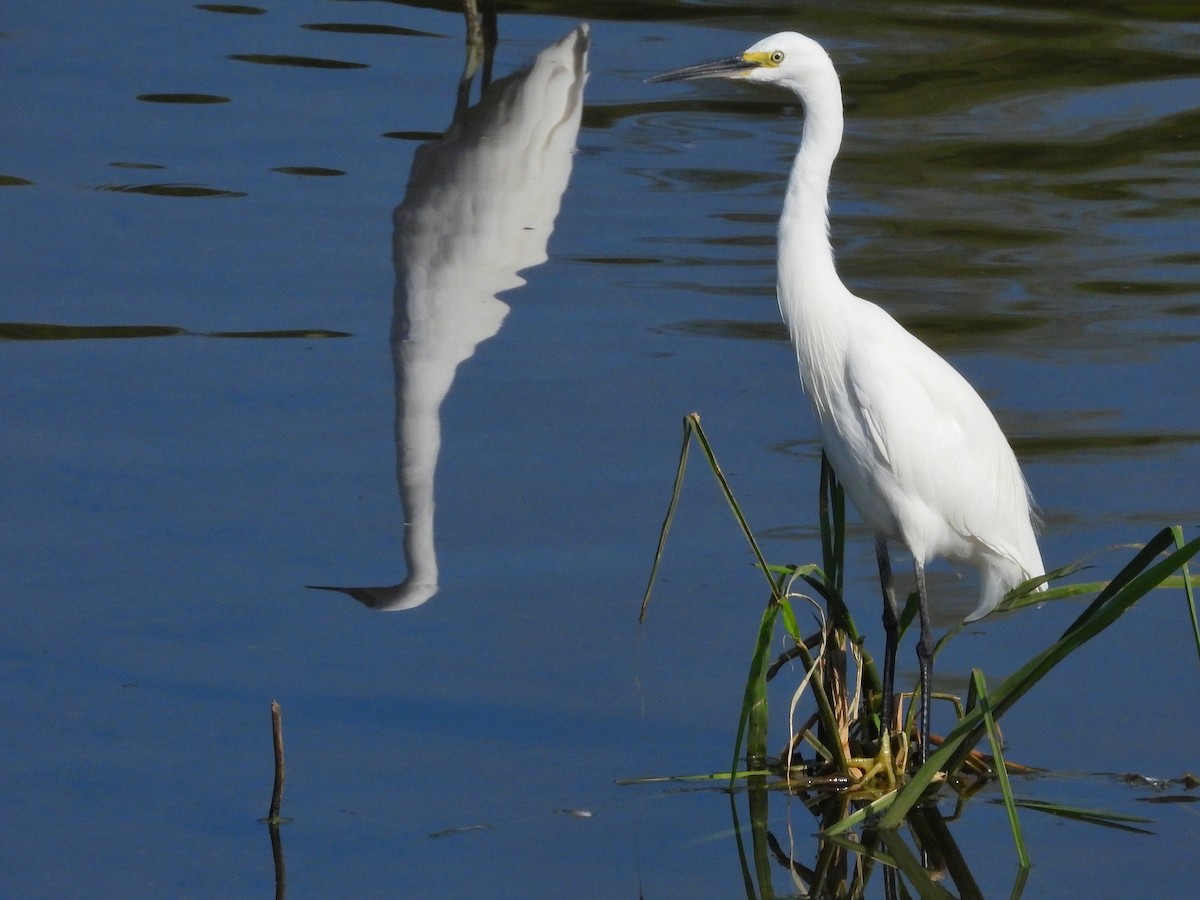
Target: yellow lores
{"points": [[770, 60]]}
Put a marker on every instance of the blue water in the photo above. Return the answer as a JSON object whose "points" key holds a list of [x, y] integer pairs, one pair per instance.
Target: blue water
{"points": [[1017, 185]]}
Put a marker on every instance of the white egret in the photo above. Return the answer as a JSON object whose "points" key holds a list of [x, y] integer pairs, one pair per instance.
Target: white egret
{"points": [[917, 450]]}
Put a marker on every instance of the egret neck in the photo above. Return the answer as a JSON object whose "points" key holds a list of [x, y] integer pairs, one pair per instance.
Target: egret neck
{"points": [[811, 295]]}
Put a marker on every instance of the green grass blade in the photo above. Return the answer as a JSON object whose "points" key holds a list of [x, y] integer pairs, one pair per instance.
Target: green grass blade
{"points": [[1133, 569], [898, 804], [979, 687], [790, 625], [854, 845], [861, 816], [1134, 581], [1177, 534], [670, 516], [1062, 592], [751, 731], [752, 728], [832, 505], [754, 697], [1100, 817], [693, 422]]}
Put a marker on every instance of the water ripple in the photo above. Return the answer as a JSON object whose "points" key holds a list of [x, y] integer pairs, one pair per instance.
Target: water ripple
{"points": [[232, 9], [303, 62], [45, 331], [182, 98], [312, 171], [170, 190], [355, 28], [421, 136]]}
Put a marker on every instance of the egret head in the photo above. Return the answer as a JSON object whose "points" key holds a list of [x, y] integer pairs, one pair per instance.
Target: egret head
{"points": [[787, 59]]}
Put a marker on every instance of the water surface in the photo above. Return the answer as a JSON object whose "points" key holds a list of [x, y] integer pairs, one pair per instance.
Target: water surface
{"points": [[201, 358]]}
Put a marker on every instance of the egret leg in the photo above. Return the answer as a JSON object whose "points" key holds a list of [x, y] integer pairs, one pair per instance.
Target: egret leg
{"points": [[891, 633], [879, 772], [925, 660]]}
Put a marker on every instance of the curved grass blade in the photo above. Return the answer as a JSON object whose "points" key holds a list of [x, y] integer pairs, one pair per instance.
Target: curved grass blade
{"points": [[1177, 534], [752, 723], [669, 518], [1101, 612], [693, 422], [979, 688], [691, 427], [1100, 817], [871, 813], [832, 506], [1141, 575]]}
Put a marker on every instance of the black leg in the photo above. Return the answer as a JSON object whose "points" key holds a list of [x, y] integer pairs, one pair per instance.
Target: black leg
{"points": [[925, 660], [891, 631]]}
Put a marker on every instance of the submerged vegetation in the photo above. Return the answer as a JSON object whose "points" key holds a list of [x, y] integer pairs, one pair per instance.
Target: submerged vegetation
{"points": [[860, 786]]}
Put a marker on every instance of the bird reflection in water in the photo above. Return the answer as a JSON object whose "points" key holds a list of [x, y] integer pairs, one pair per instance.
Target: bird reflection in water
{"points": [[479, 208]]}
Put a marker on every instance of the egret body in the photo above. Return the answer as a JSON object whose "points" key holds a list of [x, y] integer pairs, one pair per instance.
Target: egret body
{"points": [[915, 447]]}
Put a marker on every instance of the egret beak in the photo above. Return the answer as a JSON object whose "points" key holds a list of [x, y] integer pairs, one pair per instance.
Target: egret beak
{"points": [[717, 68]]}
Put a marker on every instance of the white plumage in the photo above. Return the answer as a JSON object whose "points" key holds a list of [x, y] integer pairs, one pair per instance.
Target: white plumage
{"points": [[917, 450]]}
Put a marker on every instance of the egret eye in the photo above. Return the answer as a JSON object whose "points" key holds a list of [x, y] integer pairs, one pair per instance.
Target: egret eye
{"points": [[777, 57]]}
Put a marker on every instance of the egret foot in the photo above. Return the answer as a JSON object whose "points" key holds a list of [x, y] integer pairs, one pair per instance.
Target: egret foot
{"points": [[885, 769]]}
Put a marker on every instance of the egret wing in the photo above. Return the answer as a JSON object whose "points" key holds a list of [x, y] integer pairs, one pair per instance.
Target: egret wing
{"points": [[955, 480]]}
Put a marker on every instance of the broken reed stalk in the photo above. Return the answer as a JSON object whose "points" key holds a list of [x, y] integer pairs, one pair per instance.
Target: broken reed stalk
{"points": [[277, 790]]}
